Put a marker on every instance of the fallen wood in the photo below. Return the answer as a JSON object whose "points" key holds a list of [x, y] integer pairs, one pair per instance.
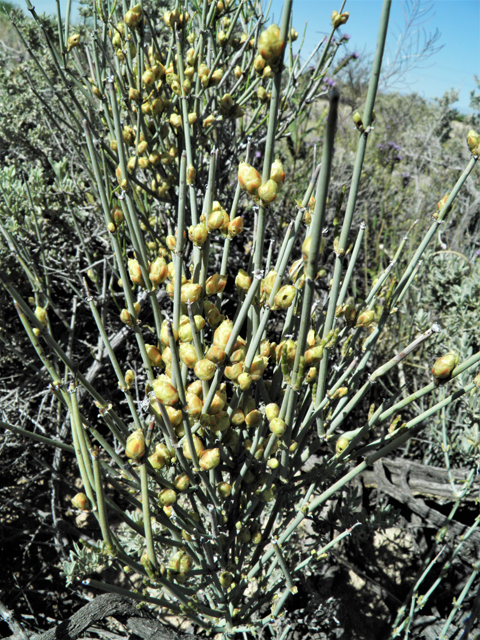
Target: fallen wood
{"points": [[139, 621]]}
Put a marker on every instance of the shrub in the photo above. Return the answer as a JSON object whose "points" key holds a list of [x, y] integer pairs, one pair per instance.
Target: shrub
{"points": [[237, 364]]}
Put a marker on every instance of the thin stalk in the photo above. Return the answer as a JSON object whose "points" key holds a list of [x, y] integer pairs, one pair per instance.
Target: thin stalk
{"points": [[117, 250], [316, 230], [355, 182], [377, 374], [77, 426], [433, 229], [114, 361], [102, 510], [146, 516], [180, 243], [59, 351], [233, 337], [187, 136], [351, 264], [37, 437], [283, 564], [270, 142]]}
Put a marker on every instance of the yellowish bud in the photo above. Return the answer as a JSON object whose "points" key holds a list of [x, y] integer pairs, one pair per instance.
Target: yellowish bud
{"points": [[249, 178], [225, 579], [129, 378], [208, 121], [224, 489], [244, 380], [164, 338], [216, 355], [271, 411], [198, 234], [222, 334], [271, 45], [135, 445], [285, 296], [473, 141], [135, 272], [164, 391], [190, 292], [217, 75], [154, 355], [277, 427], [182, 482], [210, 459], [134, 16], [158, 271], [443, 367], [267, 192], [238, 417], [157, 460], [259, 64], [258, 367], [366, 318], [185, 329], [339, 393], [73, 41], [253, 419], [188, 354], [80, 501], [197, 444], [215, 284], [167, 497], [314, 355], [277, 173], [235, 227], [205, 369]]}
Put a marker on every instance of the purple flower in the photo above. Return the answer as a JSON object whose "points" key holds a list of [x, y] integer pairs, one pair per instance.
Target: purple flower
{"points": [[355, 55], [330, 82], [346, 37]]}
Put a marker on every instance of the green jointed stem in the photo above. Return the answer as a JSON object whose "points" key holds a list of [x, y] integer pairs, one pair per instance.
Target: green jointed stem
{"points": [[351, 265], [118, 251], [37, 437], [73, 368], [146, 516], [380, 416], [317, 225], [270, 142], [355, 182], [114, 361], [180, 244], [376, 374], [231, 342], [187, 136], [77, 425], [380, 453], [283, 564], [102, 511], [433, 229]]}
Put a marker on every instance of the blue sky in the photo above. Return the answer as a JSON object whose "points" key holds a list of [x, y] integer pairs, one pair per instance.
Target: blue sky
{"points": [[458, 22]]}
